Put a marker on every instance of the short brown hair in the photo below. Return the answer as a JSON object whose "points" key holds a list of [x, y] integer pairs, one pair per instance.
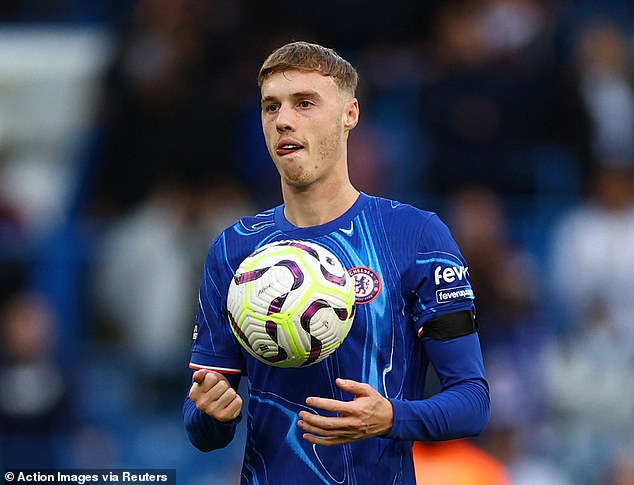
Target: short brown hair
{"points": [[304, 56]]}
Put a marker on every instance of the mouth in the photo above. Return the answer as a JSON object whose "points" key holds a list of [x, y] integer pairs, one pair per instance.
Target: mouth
{"points": [[286, 147]]}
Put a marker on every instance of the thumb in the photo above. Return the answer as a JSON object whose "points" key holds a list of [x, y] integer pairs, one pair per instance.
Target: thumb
{"points": [[199, 375]]}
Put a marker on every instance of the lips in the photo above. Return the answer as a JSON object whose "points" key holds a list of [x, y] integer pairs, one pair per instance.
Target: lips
{"points": [[287, 146]]}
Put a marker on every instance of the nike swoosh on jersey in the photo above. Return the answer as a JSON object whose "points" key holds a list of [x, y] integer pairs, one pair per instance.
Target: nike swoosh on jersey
{"points": [[348, 231]]}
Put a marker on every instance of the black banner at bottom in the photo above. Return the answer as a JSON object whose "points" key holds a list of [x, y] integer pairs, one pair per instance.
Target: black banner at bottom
{"points": [[91, 476]]}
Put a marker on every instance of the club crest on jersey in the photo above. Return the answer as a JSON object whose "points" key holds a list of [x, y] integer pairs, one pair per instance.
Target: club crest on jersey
{"points": [[367, 284]]}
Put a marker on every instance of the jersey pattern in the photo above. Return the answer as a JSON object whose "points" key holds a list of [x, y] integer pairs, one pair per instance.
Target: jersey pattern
{"points": [[407, 270]]}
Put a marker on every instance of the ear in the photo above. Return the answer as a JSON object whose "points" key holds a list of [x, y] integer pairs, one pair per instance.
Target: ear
{"points": [[351, 114]]}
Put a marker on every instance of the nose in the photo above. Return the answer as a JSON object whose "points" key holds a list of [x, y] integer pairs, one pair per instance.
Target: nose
{"points": [[285, 119]]}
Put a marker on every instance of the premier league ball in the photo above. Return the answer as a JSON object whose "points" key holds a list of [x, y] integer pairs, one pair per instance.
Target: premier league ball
{"points": [[291, 303]]}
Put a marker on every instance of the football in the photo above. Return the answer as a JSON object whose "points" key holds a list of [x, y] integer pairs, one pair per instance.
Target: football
{"points": [[291, 303]]}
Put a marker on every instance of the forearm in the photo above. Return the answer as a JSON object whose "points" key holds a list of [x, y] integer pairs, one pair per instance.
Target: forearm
{"points": [[458, 412], [462, 408], [205, 432]]}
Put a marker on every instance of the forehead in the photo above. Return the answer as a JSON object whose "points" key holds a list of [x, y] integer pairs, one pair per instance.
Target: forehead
{"points": [[288, 83]]}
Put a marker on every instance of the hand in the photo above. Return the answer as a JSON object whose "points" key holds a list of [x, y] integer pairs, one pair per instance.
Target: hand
{"points": [[212, 394], [368, 414]]}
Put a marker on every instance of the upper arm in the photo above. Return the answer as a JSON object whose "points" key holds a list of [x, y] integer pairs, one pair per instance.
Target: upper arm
{"points": [[214, 346], [456, 360], [441, 283]]}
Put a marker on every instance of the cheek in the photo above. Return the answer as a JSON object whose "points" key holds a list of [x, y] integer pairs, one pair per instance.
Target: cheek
{"points": [[331, 142], [270, 138], [267, 130]]}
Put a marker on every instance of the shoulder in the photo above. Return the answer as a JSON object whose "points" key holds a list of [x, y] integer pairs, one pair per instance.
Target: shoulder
{"points": [[401, 212], [248, 227], [254, 224], [241, 238], [414, 227], [406, 221]]}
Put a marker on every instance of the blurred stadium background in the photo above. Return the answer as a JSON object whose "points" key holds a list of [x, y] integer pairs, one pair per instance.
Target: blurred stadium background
{"points": [[129, 136]]}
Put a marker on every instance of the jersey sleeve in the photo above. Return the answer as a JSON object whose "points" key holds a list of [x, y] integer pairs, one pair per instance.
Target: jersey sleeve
{"points": [[214, 346], [205, 432], [461, 409], [441, 276], [442, 312]]}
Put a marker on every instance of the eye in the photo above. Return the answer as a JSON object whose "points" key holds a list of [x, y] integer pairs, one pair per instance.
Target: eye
{"points": [[305, 104], [271, 108]]}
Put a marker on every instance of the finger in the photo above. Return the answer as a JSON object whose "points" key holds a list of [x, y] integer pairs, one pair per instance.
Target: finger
{"points": [[324, 425], [218, 390], [208, 378], [226, 411], [356, 388], [225, 406], [326, 404], [231, 411], [194, 391], [197, 390], [326, 441], [316, 430], [209, 391]]}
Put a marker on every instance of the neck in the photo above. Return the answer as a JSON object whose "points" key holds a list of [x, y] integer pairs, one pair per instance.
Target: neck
{"points": [[314, 206]]}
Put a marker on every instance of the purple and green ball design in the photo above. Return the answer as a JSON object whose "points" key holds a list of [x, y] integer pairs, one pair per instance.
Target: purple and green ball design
{"points": [[291, 303]]}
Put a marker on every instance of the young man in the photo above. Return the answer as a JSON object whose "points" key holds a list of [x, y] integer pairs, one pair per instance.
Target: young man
{"points": [[363, 406]]}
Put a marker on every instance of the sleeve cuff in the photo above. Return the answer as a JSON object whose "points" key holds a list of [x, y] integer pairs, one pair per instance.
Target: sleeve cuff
{"points": [[397, 419]]}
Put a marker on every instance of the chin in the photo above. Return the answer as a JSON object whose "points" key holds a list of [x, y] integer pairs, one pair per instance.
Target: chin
{"points": [[297, 177], [296, 183]]}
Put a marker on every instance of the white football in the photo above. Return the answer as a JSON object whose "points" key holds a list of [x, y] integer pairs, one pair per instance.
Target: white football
{"points": [[291, 303]]}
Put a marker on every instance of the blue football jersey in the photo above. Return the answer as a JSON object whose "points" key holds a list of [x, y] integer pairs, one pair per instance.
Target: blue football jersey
{"points": [[408, 270]]}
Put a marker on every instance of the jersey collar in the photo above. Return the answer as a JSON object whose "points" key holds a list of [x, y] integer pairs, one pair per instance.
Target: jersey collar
{"points": [[314, 231]]}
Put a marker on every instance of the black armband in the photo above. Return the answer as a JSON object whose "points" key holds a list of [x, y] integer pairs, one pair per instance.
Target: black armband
{"points": [[450, 326]]}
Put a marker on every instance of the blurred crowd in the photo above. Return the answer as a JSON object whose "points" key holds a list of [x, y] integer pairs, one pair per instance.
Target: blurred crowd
{"points": [[513, 119]]}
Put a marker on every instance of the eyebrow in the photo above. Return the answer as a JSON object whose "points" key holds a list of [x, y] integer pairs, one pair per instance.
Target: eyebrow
{"points": [[299, 95]]}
